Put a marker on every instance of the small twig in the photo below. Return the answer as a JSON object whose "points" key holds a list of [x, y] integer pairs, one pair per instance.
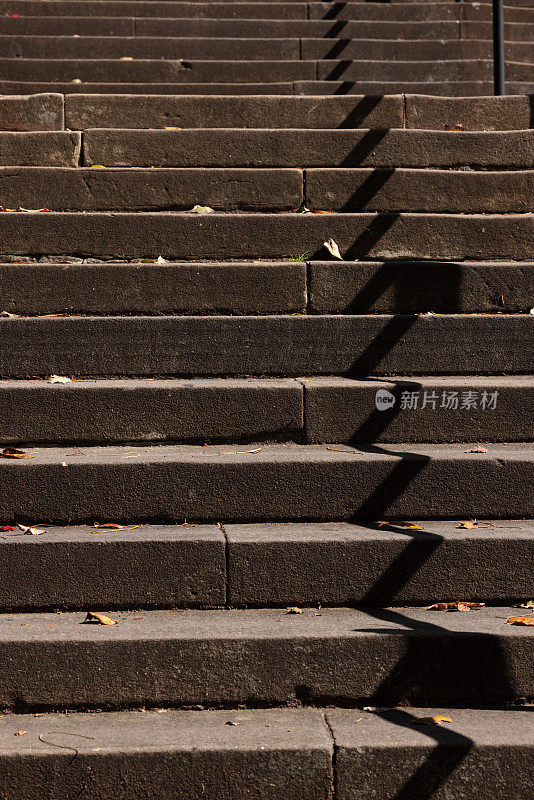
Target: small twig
{"points": [[64, 746]]}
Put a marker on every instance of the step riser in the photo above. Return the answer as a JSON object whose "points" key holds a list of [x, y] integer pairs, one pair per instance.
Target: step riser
{"points": [[281, 484], [322, 564], [336, 410], [44, 112], [378, 49], [287, 346], [299, 148], [220, 236], [461, 89], [170, 89], [270, 660], [430, 113], [409, 70], [265, 189]]}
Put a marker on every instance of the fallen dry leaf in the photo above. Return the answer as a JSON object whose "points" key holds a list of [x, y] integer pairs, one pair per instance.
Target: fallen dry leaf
{"points": [[59, 379], [339, 450], [333, 249], [520, 620], [233, 723], [232, 452], [7, 528], [126, 58], [432, 720], [456, 606], [20, 733], [31, 531], [114, 526], [476, 450], [8, 314], [101, 619], [12, 452], [526, 604], [202, 210], [294, 610], [401, 524], [97, 166]]}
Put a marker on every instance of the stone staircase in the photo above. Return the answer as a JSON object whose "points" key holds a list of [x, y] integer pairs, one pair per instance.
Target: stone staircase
{"points": [[263, 462], [253, 47]]}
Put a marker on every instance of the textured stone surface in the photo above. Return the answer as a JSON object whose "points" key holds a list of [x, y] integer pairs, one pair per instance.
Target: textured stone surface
{"points": [[483, 113], [231, 755], [284, 345], [148, 89], [449, 89], [42, 148], [396, 50], [76, 568], [86, 189], [308, 148], [161, 10], [222, 236], [443, 286], [66, 26], [94, 111], [273, 482], [452, 409], [327, 564], [114, 288], [37, 113], [389, 754], [264, 657], [150, 411]]}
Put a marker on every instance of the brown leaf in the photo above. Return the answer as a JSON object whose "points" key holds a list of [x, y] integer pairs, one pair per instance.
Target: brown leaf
{"points": [[476, 450], [31, 531], [294, 610], [456, 606], [101, 619], [11, 452], [526, 604], [432, 720], [114, 526], [520, 620]]}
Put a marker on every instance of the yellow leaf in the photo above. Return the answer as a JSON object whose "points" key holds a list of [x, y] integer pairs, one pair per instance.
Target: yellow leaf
{"points": [[520, 620], [432, 720], [295, 610], [101, 619], [20, 733]]}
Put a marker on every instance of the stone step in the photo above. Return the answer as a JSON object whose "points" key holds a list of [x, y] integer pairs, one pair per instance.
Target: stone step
{"points": [[316, 410], [238, 235], [413, 111], [260, 287], [70, 88], [309, 564], [348, 190], [285, 482], [46, 148], [293, 345], [253, 49], [68, 285], [406, 287], [261, 147], [86, 189], [152, 410], [410, 70], [264, 657], [381, 49], [448, 409], [169, 48], [513, 31], [158, 70], [450, 90], [266, 754], [67, 26], [38, 112]]}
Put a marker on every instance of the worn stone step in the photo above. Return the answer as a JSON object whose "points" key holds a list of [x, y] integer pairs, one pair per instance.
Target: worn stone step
{"points": [[231, 755], [161, 47], [46, 148], [151, 410], [382, 49], [410, 286], [348, 190], [408, 12], [431, 113], [410, 70], [382, 656], [284, 482], [309, 564], [150, 566], [341, 564], [86, 189], [180, 235], [105, 288], [284, 345], [419, 190], [130, 89], [157, 70], [67, 26], [41, 112], [263, 753], [234, 147], [477, 749], [513, 31], [182, 9], [451, 409], [450, 90]]}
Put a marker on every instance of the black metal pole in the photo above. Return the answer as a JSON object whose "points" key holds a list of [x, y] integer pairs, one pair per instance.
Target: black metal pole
{"points": [[498, 48]]}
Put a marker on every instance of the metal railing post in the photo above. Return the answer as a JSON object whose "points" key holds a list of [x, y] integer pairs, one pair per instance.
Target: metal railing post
{"points": [[498, 48]]}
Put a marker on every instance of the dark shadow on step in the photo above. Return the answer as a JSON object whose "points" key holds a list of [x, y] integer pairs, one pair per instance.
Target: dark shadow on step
{"points": [[337, 49], [336, 29]]}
